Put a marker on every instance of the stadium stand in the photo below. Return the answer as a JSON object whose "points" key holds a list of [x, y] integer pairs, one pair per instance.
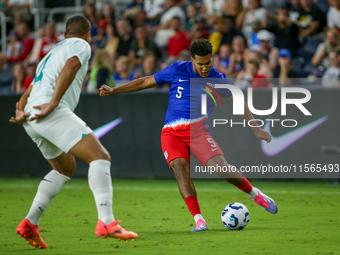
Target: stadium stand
{"points": [[38, 13]]}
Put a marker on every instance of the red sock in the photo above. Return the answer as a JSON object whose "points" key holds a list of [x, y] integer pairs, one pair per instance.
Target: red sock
{"points": [[193, 205], [245, 186]]}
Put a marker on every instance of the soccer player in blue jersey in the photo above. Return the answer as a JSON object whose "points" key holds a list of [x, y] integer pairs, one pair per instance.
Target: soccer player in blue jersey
{"points": [[181, 120]]}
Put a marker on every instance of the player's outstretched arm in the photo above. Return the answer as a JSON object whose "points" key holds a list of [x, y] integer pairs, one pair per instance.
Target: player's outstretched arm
{"points": [[64, 80], [258, 131], [20, 115], [132, 86]]}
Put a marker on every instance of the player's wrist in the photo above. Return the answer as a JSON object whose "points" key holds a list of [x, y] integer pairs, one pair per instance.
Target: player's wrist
{"points": [[255, 129], [54, 103], [254, 126], [112, 91]]}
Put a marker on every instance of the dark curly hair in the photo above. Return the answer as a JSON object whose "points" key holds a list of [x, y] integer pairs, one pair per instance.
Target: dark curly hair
{"points": [[201, 48]]}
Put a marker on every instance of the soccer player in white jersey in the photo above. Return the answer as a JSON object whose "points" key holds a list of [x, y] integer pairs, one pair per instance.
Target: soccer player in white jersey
{"points": [[46, 112]]}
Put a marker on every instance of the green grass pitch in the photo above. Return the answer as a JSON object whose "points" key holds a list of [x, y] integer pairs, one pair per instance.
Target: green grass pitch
{"points": [[307, 221]]}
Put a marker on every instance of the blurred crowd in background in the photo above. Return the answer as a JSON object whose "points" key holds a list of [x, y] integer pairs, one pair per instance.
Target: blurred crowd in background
{"points": [[256, 43]]}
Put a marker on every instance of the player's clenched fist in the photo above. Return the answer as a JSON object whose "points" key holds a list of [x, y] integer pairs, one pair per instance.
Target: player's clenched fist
{"points": [[105, 91]]}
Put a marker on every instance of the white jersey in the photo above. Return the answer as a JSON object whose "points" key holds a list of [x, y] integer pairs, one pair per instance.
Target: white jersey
{"points": [[49, 69]]}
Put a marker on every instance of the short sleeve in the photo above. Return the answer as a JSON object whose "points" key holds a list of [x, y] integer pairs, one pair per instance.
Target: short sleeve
{"points": [[319, 48], [166, 74], [81, 50]]}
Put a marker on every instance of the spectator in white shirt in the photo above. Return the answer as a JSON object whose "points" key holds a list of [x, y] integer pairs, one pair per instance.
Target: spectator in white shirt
{"points": [[153, 11], [254, 9], [211, 9], [163, 30], [333, 15]]}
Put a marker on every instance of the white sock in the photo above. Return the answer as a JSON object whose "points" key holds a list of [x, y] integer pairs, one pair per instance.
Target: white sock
{"points": [[101, 185], [198, 217], [48, 188], [253, 193]]}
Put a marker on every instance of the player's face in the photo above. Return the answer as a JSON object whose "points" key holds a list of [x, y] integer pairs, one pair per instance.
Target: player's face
{"points": [[202, 65]]}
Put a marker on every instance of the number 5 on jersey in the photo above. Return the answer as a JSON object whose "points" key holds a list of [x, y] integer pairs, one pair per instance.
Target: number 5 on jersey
{"points": [[179, 92], [213, 144]]}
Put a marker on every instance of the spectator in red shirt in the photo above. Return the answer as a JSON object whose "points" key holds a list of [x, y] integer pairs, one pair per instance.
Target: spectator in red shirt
{"points": [[107, 12], [250, 77], [26, 44], [31, 68], [179, 40], [100, 40], [49, 40]]}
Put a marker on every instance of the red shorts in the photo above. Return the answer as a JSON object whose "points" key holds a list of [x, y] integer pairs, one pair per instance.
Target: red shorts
{"points": [[179, 144]]}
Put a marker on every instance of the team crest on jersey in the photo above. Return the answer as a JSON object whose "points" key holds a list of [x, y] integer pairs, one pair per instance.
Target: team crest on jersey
{"points": [[166, 154]]}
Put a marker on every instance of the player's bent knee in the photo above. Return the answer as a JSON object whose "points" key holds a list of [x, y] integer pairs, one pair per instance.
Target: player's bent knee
{"points": [[179, 163], [217, 160], [180, 166], [64, 164], [67, 169], [90, 149], [106, 155], [68, 172], [100, 154]]}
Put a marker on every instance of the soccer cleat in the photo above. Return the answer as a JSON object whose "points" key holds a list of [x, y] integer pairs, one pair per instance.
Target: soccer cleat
{"points": [[266, 202], [31, 233], [200, 226], [114, 230]]}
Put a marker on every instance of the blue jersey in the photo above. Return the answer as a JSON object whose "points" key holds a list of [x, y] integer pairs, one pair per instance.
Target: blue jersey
{"points": [[185, 96]]}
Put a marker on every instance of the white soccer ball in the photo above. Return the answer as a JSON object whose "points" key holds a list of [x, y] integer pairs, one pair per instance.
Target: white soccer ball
{"points": [[235, 216]]}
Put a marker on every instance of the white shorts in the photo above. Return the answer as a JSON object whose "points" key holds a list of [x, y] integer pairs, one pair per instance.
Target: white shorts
{"points": [[56, 133]]}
